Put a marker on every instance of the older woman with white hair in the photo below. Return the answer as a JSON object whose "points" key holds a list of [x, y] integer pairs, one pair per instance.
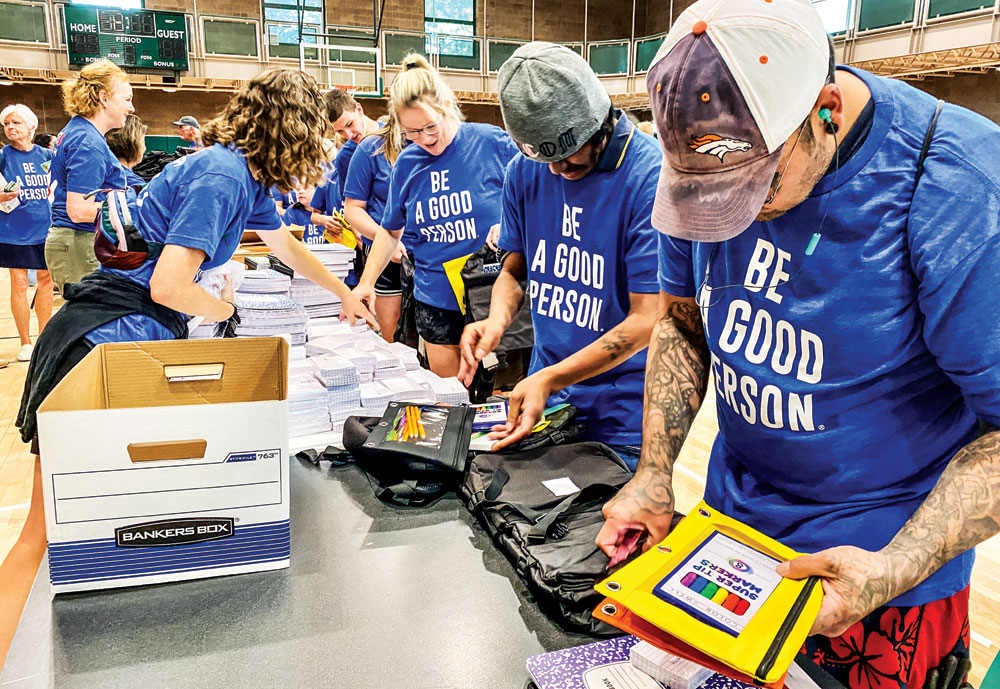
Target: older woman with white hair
{"points": [[25, 220]]}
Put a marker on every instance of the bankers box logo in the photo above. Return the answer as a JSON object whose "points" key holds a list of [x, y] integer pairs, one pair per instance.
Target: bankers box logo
{"points": [[169, 532]]}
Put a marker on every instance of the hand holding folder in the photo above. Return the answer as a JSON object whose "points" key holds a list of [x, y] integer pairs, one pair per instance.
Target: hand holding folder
{"points": [[710, 592]]}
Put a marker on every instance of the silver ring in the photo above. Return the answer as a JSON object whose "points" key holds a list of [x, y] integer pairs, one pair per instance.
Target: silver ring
{"points": [[613, 586], [609, 609]]}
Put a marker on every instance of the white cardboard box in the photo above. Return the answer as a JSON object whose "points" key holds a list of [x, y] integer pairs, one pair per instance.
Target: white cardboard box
{"points": [[164, 461]]}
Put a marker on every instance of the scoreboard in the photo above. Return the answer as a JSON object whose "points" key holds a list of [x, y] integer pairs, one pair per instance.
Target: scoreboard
{"points": [[131, 38]]}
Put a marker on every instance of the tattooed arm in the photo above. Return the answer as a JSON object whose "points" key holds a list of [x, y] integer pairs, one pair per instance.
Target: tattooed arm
{"points": [[676, 380], [961, 511], [527, 400]]}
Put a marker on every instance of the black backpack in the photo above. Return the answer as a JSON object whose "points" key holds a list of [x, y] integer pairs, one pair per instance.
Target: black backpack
{"points": [[549, 537]]}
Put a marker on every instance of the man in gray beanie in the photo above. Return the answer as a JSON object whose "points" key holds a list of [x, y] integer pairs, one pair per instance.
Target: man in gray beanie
{"points": [[576, 224]]}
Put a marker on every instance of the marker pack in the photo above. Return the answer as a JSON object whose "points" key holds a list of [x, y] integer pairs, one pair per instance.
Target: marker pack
{"points": [[709, 590]]}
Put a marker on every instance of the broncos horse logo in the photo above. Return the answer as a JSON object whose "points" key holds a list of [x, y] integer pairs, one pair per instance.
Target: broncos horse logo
{"points": [[715, 145]]}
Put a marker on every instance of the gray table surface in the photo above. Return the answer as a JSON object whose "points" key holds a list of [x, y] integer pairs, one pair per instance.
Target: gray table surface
{"points": [[377, 597]]}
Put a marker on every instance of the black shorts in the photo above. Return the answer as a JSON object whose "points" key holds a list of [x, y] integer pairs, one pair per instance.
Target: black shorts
{"points": [[24, 256], [388, 283], [439, 326]]}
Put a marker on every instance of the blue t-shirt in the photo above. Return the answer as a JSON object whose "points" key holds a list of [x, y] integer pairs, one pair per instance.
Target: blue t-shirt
{"points": [[342, 163], [847, 380], [446, 204], [132, 179], [367, 178], [82, 163], [588, 243], [28, 223], [204, 202]]}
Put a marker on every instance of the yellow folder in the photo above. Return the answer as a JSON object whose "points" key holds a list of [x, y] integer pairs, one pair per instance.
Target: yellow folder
{"points": [[711, 584]]}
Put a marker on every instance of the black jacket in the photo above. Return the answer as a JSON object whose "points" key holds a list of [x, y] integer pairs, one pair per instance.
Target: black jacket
{"points": [[97, 299]]}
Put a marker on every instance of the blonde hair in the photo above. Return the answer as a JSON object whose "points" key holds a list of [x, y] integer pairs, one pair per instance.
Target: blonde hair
{"points": [[128, 143], [421, 84], [82, 93], [392, 139], [277, 121]]}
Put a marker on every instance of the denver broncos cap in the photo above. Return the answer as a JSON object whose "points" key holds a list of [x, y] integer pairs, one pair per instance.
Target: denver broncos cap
{"points": [[732, 81]]}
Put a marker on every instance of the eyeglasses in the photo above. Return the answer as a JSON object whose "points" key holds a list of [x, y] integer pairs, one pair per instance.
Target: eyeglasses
{"points": [[776, 186], [430, 130]]}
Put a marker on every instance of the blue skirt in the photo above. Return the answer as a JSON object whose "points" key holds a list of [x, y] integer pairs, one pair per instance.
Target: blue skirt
{"points": [[30, 256]]}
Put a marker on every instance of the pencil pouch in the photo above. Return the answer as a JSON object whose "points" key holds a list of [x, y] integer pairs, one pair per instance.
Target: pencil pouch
{"points": [[711, 586], [415, 433]]}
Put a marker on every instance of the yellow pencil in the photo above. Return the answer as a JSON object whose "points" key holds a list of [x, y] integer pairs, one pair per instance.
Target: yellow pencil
{"points": [[410, 424], [420, 423]]}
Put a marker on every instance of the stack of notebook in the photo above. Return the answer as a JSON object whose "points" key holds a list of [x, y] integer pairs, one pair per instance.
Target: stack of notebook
{"points": [[265, 281], [307, 406], [267, 315], [441, 390]]}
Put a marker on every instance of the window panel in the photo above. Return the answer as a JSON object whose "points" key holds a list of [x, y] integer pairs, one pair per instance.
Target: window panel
{"points": [[283, 41], [836, 14], [230, 38], [22, 23], [876, 14], [456, 10], [941, 8]]}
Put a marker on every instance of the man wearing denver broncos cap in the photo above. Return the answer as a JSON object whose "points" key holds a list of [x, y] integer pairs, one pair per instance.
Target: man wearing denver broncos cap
{"points": [[576, 209], [830, 247]]}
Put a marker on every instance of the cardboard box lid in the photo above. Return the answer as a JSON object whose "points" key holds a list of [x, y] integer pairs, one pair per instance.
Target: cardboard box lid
{"points": [[125, 375]]}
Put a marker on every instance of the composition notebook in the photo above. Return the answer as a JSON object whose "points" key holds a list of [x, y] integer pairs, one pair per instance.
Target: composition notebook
{"points": [[600, 665], [709, 592]]}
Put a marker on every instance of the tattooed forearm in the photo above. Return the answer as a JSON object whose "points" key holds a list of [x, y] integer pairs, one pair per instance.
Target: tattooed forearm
{"points": [[616, 343], [960, 512], [676, 379]]}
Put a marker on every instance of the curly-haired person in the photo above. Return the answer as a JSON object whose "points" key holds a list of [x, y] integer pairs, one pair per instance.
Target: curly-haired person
{"points": [[192, 216]]}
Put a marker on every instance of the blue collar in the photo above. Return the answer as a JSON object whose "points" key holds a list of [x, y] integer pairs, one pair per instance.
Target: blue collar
{"points": [[614, 152]]}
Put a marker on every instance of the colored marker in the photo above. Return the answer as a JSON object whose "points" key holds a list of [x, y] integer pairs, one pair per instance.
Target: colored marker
{"points": [[742, 607], [731, 602], [720, 596], [709, 590], [698, 584], [688, 579]]}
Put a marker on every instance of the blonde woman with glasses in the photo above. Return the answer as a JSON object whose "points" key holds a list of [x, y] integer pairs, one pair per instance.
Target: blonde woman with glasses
{"points": [[444, 196]]}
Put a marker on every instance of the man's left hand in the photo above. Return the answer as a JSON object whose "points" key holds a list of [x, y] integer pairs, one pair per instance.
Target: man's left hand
{"points": [[524, 410], [855, 582]]}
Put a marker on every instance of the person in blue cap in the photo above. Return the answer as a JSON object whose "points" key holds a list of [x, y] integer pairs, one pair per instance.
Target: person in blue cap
{"points": [[576, 209]]}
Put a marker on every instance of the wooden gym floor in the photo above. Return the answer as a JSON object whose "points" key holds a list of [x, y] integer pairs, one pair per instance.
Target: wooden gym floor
{"points": [[21, 547]]}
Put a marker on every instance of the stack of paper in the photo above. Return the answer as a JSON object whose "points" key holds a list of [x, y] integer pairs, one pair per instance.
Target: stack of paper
{"points": [[343, 397], [444, 390], [404, 390], [363, 360], [307, 406], [267, 315], [308, 421], [676, 673], [319, 302], [335, 371], [385, 358], [407, 355], [305, 392], [336, 258], [374, 398], [338, 418], [265, 281]]}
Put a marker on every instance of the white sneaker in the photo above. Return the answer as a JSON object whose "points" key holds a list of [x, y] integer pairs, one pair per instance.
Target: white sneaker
{"points": [[25, 353]]}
